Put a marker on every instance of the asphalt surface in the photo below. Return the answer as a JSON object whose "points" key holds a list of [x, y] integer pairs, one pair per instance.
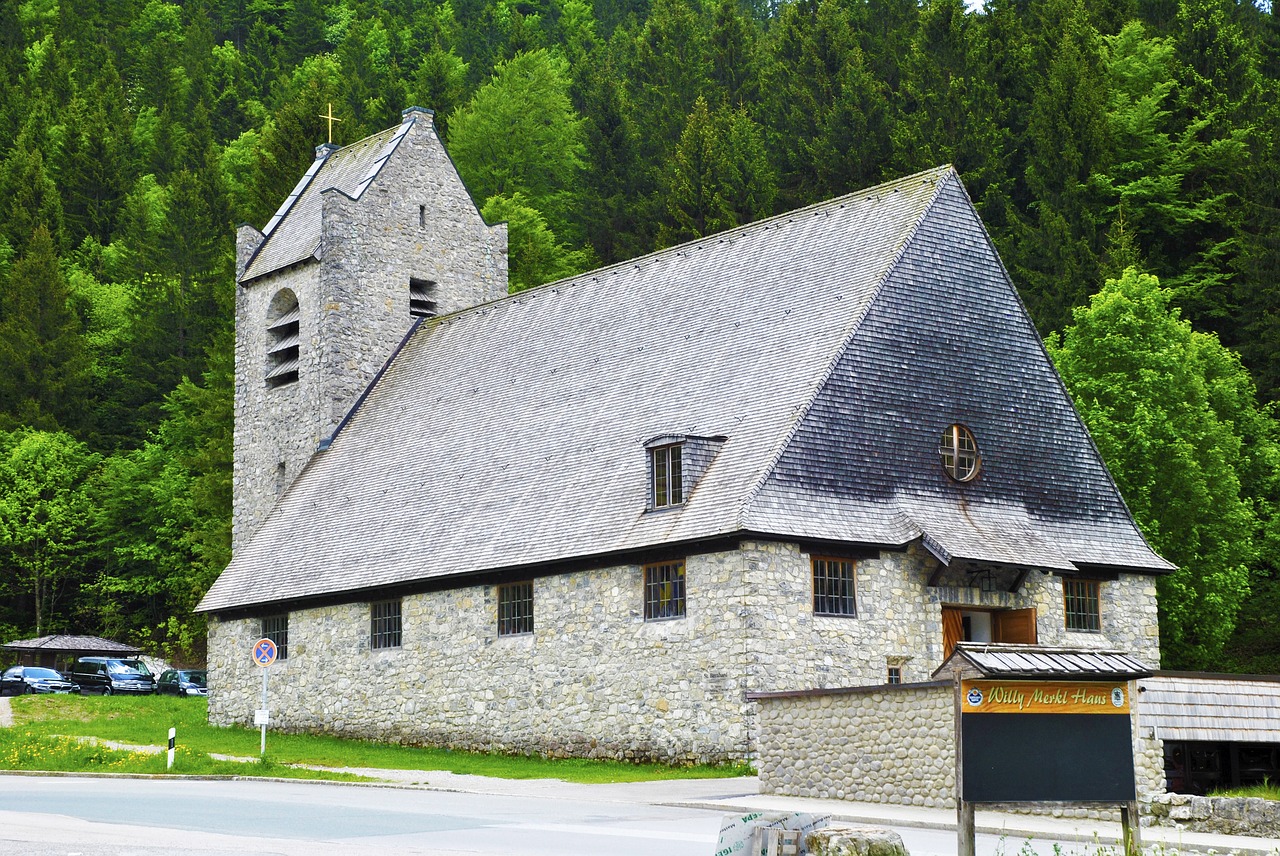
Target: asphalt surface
{"points": [[440, 813]]}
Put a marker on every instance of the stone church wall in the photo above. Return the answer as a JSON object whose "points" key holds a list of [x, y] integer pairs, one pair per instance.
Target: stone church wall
{"points": [[595, 679]]}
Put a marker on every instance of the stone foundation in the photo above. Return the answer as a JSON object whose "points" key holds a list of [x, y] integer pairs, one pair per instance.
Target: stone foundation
{"points": [[1226, 815]]}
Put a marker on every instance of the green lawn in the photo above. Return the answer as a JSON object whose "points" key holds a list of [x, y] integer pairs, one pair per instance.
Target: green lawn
{"points": [[42, 724], [1268, 791]]}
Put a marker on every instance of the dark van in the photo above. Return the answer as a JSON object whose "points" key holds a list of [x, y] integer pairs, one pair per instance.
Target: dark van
{"points": [[112, 675]]}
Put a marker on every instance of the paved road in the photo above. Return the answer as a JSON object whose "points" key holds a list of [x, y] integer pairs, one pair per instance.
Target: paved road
{"points": [[65, 816]]}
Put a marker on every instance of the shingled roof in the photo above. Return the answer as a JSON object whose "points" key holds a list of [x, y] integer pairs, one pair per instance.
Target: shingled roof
{"points": [[829, 346]]}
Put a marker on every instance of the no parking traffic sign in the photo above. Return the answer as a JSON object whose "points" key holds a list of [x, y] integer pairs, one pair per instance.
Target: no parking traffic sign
{"points": [[264, 652]]}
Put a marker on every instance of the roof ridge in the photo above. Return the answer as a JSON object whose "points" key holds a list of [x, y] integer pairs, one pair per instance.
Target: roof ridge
{"points": [[943, 173], [700, 243]]}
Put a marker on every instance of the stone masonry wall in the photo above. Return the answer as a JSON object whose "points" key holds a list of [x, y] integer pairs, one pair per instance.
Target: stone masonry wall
{"points": [[275, 428], [595, 678], [415, 220], [899, 619], [886, 744], [892, 744]]}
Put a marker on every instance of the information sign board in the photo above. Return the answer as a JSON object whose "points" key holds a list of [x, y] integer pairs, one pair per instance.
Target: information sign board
{"points": [[1032, 741]]}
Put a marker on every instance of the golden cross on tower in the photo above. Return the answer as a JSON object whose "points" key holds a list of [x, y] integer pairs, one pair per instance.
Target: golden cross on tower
{"points": [[332, 118]]}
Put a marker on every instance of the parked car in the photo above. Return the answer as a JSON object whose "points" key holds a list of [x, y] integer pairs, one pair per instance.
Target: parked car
{"points": [[183, 682], [24, 680], [111, 675]]}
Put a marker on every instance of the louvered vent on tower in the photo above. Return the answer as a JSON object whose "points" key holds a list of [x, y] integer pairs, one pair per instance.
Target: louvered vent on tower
{"points": [[422, 298], [283, 340]]}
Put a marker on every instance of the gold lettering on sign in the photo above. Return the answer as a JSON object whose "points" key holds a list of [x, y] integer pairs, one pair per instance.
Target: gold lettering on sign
{"points": [[1044, 697]]}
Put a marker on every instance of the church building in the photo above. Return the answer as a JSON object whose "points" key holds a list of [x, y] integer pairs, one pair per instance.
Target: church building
{"points": [[588, 519]]}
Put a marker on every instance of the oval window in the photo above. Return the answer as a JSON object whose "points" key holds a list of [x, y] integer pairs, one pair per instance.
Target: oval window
{"points": [[959, 453]]}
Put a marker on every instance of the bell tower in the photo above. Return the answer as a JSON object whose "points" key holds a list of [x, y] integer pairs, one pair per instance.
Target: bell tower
{"points": [[377, 238]]}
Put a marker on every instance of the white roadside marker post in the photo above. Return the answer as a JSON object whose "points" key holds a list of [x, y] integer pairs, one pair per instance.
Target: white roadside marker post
{"points": [[173, 735]]}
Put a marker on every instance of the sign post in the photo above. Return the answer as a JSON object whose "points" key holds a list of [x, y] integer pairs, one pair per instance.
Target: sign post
{"points": [[264, 654]]}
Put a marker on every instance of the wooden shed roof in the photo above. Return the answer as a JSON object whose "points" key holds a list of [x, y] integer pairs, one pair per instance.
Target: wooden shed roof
{"points": [[1190, 706]]}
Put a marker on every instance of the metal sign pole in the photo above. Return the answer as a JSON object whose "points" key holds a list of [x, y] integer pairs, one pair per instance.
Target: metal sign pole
{"points": [[264, 707]]}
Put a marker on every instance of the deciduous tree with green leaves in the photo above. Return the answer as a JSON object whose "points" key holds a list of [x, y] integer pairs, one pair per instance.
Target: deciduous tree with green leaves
{"points": [[520, 134], [536, 255], [45, 518], [1169, 408]]}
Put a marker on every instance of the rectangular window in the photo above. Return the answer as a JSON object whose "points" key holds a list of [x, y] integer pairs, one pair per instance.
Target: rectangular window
{"points": [[1083, 604], [668, 476], [895, 675], [833, 588], [515, 609], [664, 591], [276, 628], [384, 624]]}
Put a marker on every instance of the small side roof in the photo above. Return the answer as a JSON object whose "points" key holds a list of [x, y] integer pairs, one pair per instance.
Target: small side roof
{"points": [[1036, 662], [85, 645]]}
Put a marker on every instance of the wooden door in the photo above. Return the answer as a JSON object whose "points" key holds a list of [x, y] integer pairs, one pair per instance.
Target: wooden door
{"points": [[952, 630], [1014, 625]]}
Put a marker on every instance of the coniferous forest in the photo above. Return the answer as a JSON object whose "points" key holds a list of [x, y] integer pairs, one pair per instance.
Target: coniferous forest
{"points": [[1124, 154]]}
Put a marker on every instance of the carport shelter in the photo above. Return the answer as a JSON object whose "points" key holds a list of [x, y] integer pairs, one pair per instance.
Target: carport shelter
{"points": [[55, 652]]}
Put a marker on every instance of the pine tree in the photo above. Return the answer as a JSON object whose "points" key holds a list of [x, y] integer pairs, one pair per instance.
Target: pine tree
{"points": [[32, 197], [827, 118], [719, 177], [42, 358], [1058, 247], [950, 111]]}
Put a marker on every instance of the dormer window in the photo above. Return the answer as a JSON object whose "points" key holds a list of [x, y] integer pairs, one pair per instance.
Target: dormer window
{"points": [[422, 298], [283, 338], [676, 463], [667, 467], [959, 452]]}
